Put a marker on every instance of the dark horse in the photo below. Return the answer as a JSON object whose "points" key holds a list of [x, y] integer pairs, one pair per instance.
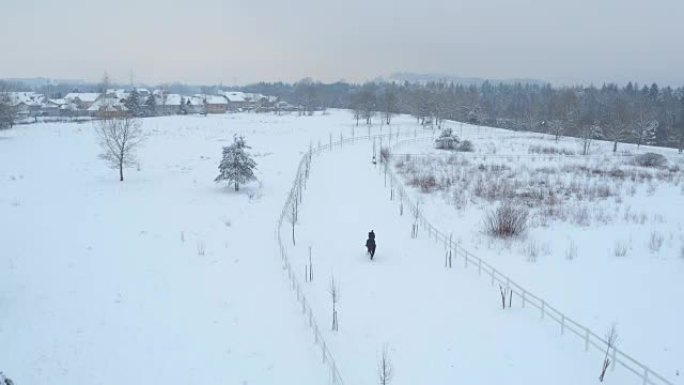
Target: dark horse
{"points": [[370, 244]]}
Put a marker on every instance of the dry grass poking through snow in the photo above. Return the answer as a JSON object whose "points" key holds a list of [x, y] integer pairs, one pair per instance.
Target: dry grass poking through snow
{"points": [[554, 188]]}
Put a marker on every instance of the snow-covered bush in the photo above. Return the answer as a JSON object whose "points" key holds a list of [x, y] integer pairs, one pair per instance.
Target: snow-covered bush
{"points": [[650, 159], [447, 140], [465, 146], [506, 221]]}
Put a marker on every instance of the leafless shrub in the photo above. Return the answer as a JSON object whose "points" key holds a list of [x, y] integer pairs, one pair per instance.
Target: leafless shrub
{"points": [[537, 149], [571, 251], [616, 173], [655, 242], [334, 291], [506, 221], [580, 216], [620, 249], [384, 155], [532, 251], [385, 369], [650, 159], [601, 216], [427, 183], [631, 191], [611, 338], [465, 146], [201, 248]]}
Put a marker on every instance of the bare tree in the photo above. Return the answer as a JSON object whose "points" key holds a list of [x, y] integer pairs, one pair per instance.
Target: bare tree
{"points": [[385, 368], [119, 139], [335, 297], [389, 102], [611, 340], [556, 128], [416, 220], [587, 134]]}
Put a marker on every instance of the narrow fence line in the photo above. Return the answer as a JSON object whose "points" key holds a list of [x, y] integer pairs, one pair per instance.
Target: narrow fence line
{"points": [[527, 299], [295, 194], [508, 156]]}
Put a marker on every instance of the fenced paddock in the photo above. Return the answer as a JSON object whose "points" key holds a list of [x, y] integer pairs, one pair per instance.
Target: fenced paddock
{"points": [[525, 299]]}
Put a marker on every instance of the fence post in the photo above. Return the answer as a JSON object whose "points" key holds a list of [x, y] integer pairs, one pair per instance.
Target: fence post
{"points": [[479, 266], [586, 339], [562, 324], [612, 366], [646, 375], [542, 309], [524, 294]]}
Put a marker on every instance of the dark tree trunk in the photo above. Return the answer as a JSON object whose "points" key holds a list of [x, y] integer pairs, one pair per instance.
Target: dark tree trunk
{"points": [[121, 171]]}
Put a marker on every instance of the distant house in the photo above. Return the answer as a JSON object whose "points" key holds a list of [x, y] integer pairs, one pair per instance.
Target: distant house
{"points": [[26, 104], [195, 105], [170, 104], [83, 100], [215, 104], [236, 100], [52, 107], [108, 107]]}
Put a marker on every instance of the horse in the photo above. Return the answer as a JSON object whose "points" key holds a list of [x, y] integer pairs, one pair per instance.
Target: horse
{"points": [[370, 245]]}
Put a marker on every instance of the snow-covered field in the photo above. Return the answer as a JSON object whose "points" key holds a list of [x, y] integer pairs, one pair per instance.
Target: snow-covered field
{"points": [[606, 238], [101, 281], [171, 278]]}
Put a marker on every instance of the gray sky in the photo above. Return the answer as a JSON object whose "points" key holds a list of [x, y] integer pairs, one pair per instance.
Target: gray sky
{"points": [[212, 41]]}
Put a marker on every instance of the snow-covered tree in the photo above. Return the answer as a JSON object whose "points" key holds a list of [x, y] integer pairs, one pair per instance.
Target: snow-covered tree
{"points": [[119, 139], [237, 166]]}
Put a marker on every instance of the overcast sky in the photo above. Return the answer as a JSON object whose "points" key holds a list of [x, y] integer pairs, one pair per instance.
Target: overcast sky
{"points": [[214, 41]]}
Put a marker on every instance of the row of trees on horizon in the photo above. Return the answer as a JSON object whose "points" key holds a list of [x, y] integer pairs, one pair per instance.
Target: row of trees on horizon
{"points": [[649, 115], [644, 115]]}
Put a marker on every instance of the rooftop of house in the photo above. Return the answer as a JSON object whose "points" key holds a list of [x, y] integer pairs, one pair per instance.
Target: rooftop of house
{"points": [[86, 97]]}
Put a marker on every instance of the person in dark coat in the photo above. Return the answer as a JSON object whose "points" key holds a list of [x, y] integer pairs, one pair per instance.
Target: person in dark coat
{"points": [[370, 244]]}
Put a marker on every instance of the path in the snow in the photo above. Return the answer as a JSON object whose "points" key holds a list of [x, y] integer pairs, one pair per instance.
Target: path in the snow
{"points": [[441, 326]]}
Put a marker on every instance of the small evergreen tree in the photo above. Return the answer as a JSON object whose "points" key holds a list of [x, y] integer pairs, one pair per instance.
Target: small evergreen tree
{"points": [[237, 166]]}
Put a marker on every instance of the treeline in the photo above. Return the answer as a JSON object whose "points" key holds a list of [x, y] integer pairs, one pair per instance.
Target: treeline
{"points": [[648, 115]]}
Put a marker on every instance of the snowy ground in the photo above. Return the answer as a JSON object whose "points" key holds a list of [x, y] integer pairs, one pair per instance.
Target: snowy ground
{"points": [[105, 282], [102, 281], [572, 260]]}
